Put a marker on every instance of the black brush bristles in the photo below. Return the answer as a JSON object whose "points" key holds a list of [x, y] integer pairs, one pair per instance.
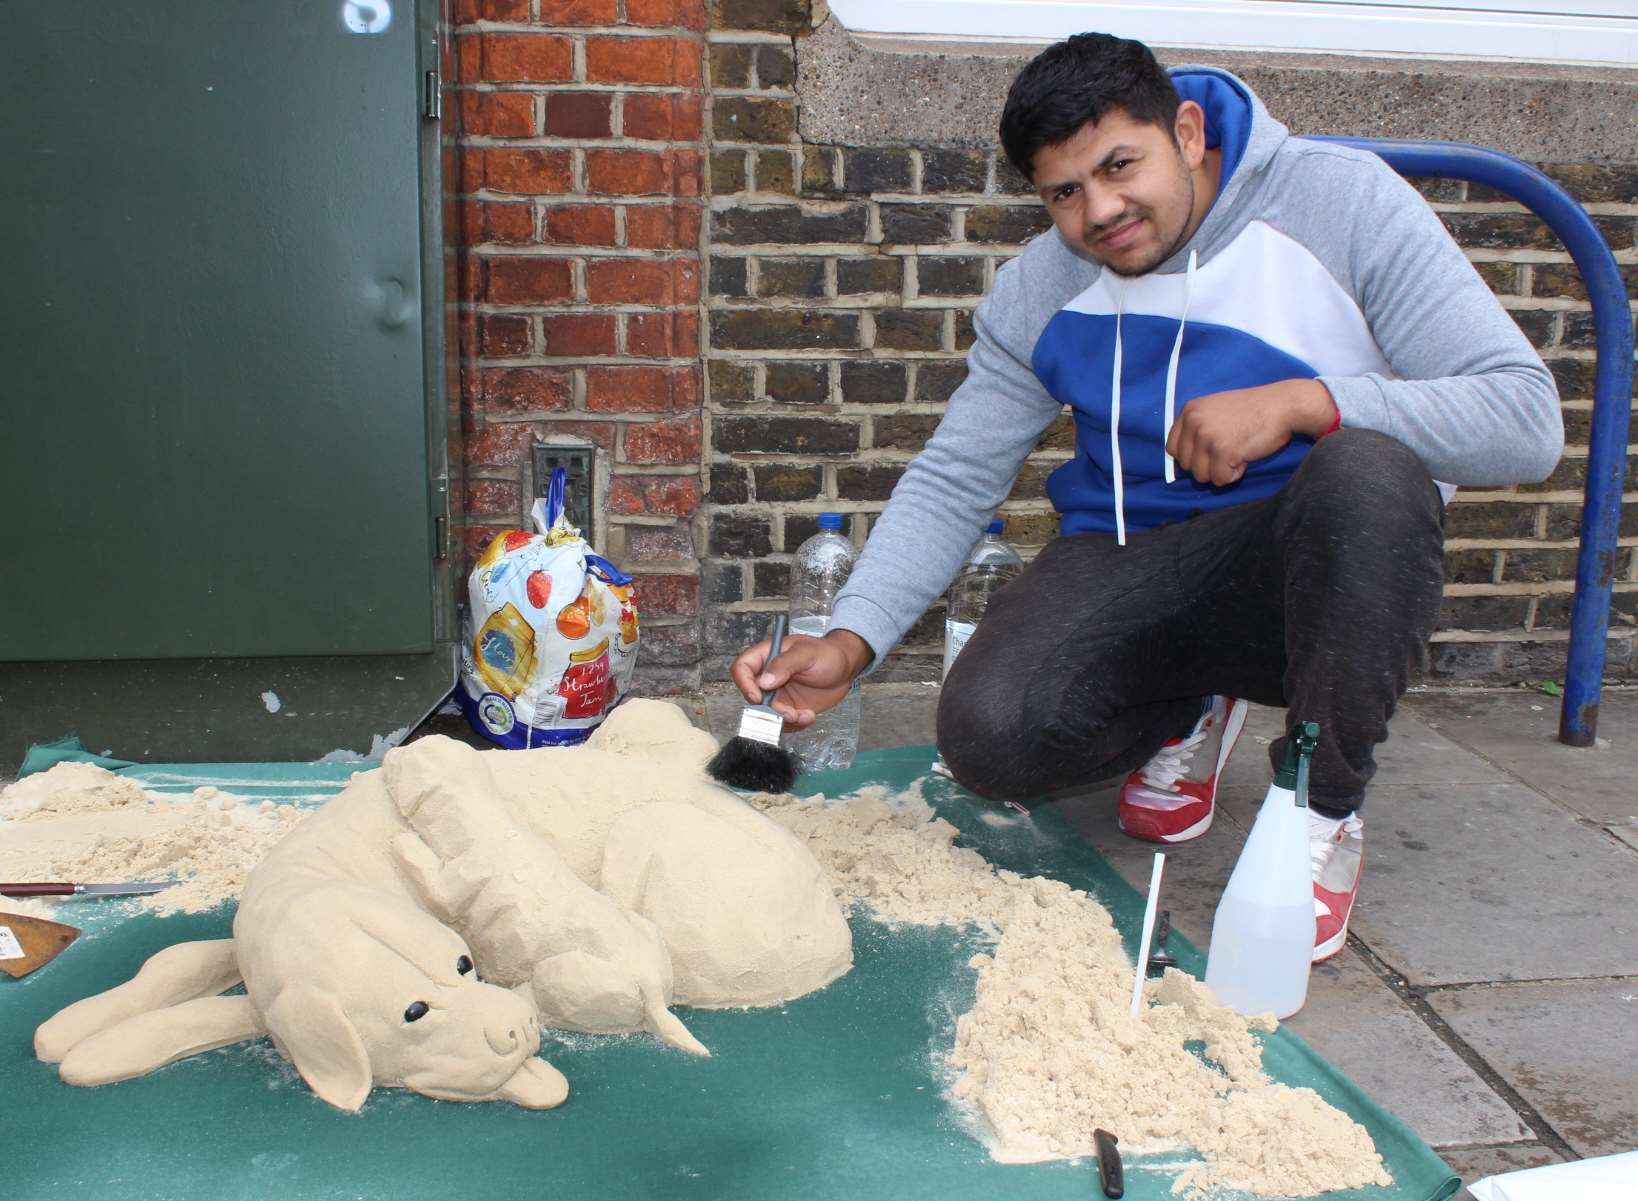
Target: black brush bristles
{"points": [[753, 766], [753, 760]]}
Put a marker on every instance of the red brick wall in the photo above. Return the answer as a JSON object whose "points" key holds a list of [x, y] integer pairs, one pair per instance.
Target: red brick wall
{"points": [[841, 284], [836, 284], [580, 194]]}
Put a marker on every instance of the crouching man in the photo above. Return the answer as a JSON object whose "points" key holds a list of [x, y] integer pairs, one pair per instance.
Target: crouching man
{"points": [[1272, 351]]}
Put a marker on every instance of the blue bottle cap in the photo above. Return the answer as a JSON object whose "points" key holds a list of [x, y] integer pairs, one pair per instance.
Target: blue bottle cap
{"points": [[830, 521], [994, 527]]}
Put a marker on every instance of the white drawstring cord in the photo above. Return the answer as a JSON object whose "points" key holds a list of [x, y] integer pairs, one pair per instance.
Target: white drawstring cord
{"points": [[1171, 370], [1114, 424]]}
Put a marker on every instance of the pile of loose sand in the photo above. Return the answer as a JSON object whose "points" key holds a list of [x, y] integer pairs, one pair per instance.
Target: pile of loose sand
{"points": [[1050, 1050]]}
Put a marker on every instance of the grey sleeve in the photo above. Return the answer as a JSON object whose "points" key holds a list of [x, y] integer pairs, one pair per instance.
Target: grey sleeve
{"points": [[1473, 398], [954, 486]]}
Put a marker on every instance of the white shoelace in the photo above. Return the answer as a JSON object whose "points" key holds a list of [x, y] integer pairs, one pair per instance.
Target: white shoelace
{"points": [[1322, 827], [1322, 834], [1171, 762]]}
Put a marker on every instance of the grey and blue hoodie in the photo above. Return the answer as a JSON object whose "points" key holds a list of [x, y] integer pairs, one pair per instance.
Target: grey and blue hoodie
{"points": [[1314, 261]]}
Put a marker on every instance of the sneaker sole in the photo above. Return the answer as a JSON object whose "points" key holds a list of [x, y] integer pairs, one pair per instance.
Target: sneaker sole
{"points": [[1325, 950], [1193, 832]]}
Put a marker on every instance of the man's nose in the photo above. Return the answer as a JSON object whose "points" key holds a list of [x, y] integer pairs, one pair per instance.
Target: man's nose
{"points": [[1103, 205]]}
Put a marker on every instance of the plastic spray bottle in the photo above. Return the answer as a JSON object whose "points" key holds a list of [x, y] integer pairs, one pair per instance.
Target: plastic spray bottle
{"points": [[1262, 937]]}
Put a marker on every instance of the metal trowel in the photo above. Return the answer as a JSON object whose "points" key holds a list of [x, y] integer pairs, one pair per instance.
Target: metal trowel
{"points": [[27, 943]]}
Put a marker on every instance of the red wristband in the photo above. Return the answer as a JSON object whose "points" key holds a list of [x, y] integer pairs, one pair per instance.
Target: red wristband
{"points": [[1336, 422]]}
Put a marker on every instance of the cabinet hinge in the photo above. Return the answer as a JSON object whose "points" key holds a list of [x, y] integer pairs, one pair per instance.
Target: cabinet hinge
{"points": [[432, 96]]}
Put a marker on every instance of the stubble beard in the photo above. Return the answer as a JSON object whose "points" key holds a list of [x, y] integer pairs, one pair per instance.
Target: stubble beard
{"points": [[1177, 242]]}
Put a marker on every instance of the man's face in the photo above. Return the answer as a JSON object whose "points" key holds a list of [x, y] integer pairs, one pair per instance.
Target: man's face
{"points": [[1124, 192]]}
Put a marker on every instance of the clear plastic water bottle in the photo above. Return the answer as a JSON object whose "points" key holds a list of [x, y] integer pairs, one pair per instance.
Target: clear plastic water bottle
{"points": [[989, 567], [822, 566]]}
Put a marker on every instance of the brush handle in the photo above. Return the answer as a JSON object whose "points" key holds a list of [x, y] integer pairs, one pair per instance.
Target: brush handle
{"points": [[776, 641], [37, 890]]}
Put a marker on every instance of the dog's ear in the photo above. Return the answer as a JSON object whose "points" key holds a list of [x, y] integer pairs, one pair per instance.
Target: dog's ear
{"points": [[313, 1030]]}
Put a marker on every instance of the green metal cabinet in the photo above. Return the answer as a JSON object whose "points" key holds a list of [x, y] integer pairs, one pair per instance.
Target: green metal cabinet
{"points": [[224, 459]]}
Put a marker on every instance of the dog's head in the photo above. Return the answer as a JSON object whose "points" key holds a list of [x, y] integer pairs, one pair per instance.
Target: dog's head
{"points": [[360, 989]]}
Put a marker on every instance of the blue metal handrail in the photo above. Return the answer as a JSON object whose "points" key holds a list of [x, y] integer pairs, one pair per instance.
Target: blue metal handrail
{"points": [[1612, 392]]}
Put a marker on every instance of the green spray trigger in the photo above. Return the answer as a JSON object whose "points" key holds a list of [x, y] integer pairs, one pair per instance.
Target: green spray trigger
{"points": [[1307, 739], [1292, 774]]}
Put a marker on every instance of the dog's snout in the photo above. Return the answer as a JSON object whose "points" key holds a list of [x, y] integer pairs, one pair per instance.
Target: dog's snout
{"points": [[508, 1039]]}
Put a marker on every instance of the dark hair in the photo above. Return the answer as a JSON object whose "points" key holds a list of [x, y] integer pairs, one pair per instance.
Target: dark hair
{"points": [[1076, 81]]}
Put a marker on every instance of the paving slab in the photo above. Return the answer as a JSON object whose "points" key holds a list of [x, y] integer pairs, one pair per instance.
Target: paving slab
{"points": [[1415, 753], [1517, 730], [1478, 882], [1567, 1047], [1475, 1163], [1360, 1024]]}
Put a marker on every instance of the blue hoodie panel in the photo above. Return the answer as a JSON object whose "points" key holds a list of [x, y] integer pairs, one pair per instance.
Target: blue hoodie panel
{"points": [[1074, 359], [1228, 115]]}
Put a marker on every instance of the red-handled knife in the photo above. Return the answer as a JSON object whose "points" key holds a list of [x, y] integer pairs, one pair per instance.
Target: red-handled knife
{"points": [[130, 888]]}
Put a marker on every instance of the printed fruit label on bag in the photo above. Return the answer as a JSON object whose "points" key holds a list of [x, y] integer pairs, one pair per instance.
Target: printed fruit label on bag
{"points": [[551, 634]]}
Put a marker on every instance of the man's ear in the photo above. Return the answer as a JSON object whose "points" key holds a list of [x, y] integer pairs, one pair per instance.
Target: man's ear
{"points": [[1190, 133], [314, 1032]]}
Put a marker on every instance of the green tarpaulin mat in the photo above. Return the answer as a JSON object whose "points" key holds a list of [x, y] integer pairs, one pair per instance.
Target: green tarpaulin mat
{"points": [[836, 1095]]}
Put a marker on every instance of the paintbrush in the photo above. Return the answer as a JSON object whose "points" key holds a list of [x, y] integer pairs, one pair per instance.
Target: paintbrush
{"points": [[753, 760]]}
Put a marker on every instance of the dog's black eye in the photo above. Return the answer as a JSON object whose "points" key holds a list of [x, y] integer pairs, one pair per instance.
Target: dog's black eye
{"points": [[463, 965], [416, 1011]]}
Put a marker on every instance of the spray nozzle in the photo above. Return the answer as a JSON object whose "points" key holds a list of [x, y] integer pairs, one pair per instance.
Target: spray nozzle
{"points": [[1296, 760], [1306, 738]]}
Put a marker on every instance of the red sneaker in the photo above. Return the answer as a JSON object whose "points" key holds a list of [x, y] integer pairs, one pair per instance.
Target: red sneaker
{"points": [[1171, 798], [1337, 850]]}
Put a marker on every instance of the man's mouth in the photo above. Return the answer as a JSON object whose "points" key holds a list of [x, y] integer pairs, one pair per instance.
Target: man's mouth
{"points": [[1122, 235]]}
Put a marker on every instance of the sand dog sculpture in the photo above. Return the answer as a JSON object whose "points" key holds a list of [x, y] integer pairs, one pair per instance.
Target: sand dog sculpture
{"points": [[419, 929]]}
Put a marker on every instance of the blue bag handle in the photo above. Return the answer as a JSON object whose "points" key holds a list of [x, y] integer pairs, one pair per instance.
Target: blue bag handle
{"points": [[554, 496], [606, 571], [596, 564]]}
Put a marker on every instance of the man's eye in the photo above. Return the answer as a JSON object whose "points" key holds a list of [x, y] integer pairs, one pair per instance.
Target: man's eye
{"points": [[463, 965], [417, 1011], [1120, 163], [1063, 194]]}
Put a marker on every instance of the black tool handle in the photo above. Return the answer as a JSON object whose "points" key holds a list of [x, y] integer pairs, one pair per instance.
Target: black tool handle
{"points": [[776, 640], [37, 890], [1109, 1169]]}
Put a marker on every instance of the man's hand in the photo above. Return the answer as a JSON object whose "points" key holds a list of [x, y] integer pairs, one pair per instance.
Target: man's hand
{"points": [[1215, 437], [811, 674]]}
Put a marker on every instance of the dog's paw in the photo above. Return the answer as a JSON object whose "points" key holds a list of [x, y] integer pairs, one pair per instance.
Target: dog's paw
{"points": [[443, 790]]}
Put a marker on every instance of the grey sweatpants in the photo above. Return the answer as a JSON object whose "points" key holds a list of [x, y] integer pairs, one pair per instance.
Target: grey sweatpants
{"points": [[1319, 599]]}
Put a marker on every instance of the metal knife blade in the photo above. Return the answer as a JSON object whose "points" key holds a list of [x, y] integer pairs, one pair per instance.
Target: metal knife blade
{"points": [[129, 888]]}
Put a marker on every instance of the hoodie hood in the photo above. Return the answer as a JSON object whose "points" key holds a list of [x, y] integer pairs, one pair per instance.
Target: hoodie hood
{"points": [[1239, 126]]}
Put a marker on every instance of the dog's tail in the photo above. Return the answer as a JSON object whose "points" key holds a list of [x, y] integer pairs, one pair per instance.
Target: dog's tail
{"points": [[668, 1027]]}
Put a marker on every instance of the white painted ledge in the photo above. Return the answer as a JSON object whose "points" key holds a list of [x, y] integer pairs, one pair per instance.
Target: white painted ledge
{"points": [[1603, 32]]}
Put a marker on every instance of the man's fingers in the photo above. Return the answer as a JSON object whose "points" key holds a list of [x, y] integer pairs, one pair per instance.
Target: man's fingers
{"points": [[795, 718], [1186, 436], [745, 670], [792, 660]]}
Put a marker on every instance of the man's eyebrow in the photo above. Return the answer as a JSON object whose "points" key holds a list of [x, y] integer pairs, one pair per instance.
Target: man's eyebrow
{"points": [[1116, 152]]}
